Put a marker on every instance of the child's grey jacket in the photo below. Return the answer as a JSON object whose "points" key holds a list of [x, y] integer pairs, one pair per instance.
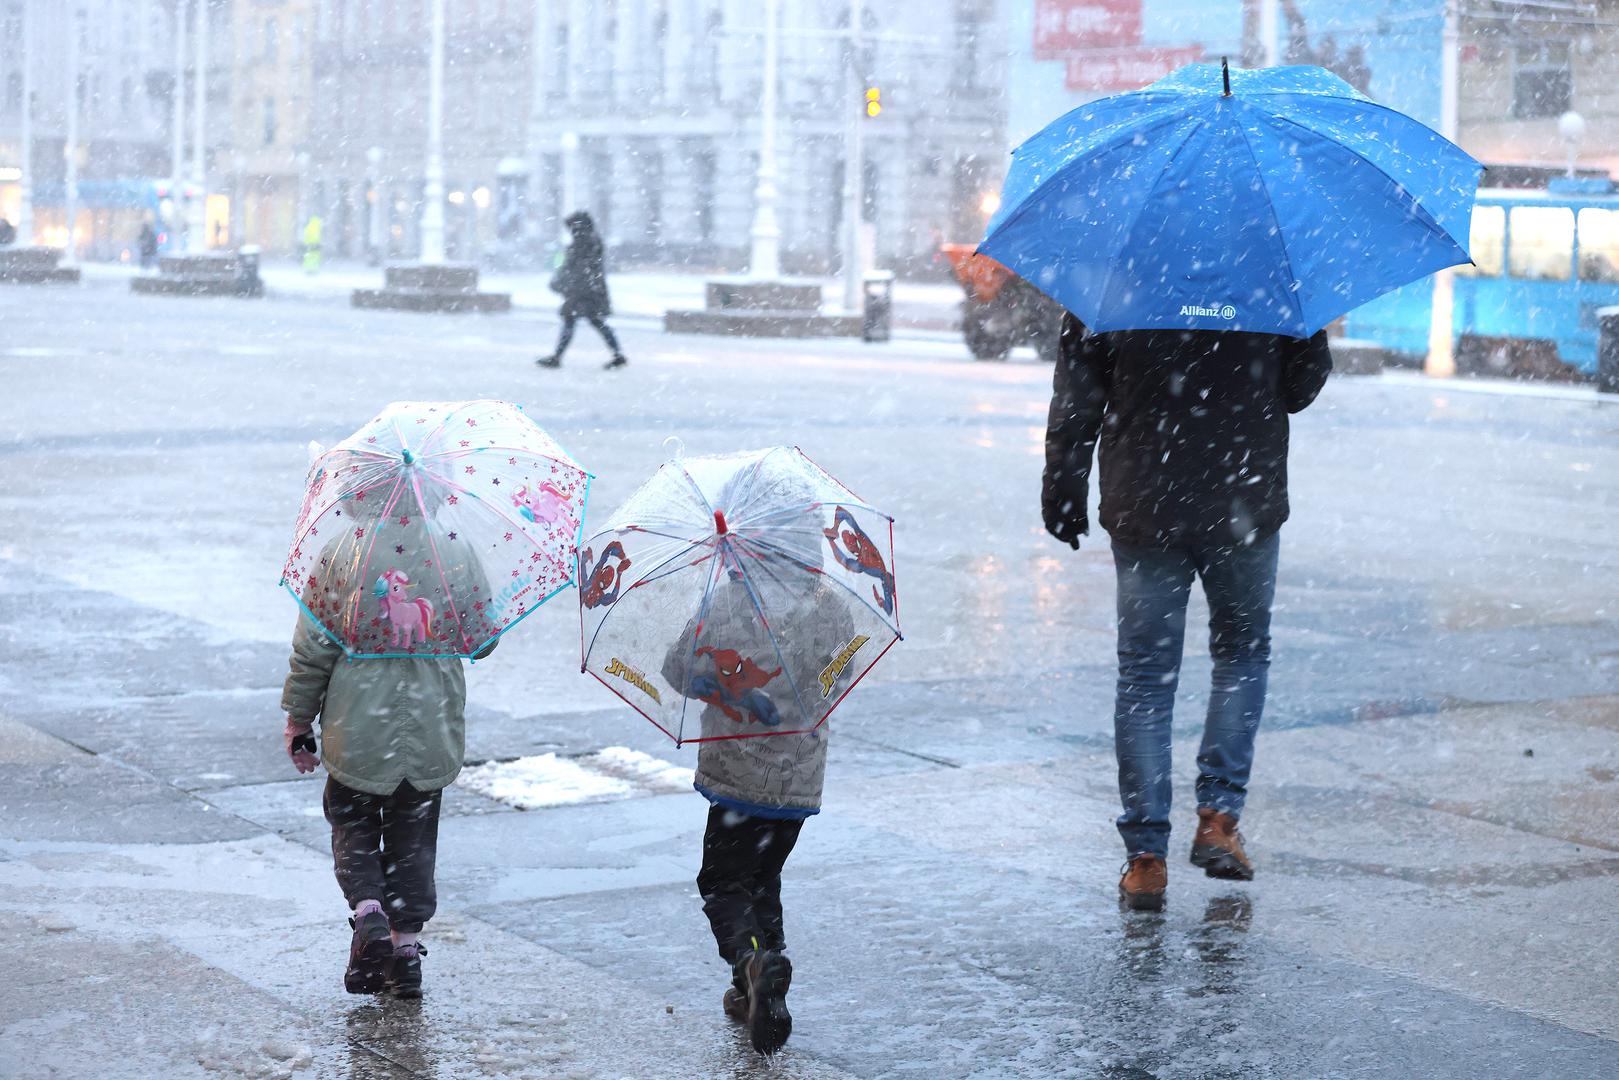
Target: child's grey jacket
{"points": [[773, 775]]}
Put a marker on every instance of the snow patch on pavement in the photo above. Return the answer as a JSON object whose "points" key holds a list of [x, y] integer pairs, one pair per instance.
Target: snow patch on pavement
{"points": [[545, 780]]}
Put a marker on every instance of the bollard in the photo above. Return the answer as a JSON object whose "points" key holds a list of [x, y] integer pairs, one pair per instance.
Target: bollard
{"points": [[877, 320], [1608, 350]]}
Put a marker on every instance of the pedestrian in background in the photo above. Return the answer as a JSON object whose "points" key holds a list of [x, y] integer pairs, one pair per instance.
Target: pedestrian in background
{"points": [[582, 283], [1194, 436], [146, 243], [312, 241], [393, 733]]}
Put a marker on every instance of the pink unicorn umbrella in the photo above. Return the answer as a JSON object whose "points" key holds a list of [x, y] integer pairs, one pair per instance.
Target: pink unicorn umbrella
{"points": [[436, 528]]}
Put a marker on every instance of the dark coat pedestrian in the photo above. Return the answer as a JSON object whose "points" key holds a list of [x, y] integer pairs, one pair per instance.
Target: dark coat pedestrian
{"points": [[1193, 431], [582, 282], [8, 233], [146, 244]]}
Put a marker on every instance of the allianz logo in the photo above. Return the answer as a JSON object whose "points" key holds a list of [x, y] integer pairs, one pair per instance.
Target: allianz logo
{"points": [[1214, 311]]}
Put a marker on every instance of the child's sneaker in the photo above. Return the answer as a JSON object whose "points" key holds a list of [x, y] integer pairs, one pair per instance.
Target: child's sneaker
{"points": [[370, 952], [405, 971], [768, 974]]}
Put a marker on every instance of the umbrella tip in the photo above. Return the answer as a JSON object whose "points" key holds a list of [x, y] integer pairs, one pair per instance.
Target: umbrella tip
{"points": [[720, 526], [1225, 71], [408, 456]]}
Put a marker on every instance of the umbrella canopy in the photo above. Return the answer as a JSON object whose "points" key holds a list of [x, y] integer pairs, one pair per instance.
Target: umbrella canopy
{"points": [[1273, 207], [738, 596], [435, 528]]}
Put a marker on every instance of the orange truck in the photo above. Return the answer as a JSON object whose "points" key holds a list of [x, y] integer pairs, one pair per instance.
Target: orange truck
{"points": [[1000, 310]]}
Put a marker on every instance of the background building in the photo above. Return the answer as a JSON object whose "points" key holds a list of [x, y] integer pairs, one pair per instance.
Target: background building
{"points": [[646, 112], [271, 87]]}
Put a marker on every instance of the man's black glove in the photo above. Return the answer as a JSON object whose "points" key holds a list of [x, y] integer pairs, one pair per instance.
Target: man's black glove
{"points": [[1066, 527]]}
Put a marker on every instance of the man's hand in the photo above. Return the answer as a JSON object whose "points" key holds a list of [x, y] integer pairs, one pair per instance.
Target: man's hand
{"points": [[1065, 529], [299, 738]]}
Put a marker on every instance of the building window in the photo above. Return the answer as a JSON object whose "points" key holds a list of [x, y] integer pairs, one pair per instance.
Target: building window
{"points": [[1542, 80], [660, 53], [704, 171], [269, 121], [1599, 244], [1488, 242], [14, 92], [559, 61], [272, 40]]}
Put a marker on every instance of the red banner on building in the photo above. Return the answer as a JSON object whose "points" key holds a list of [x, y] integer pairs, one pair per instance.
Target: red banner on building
{"points": [[1127, 69], [1066, 26]]}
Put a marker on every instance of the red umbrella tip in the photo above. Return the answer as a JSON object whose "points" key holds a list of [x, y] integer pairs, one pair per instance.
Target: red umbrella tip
{"points": [[719, 523]]}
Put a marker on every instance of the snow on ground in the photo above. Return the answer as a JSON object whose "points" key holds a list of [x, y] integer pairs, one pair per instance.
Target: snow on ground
{"points": [[542, 780]]}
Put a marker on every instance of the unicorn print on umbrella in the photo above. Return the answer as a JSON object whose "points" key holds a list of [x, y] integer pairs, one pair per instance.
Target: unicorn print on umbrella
{"points": [[411, 617]]}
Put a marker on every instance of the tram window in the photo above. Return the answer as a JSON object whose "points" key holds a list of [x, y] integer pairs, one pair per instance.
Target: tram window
{"points": [[1488, 242], [1599, 245], [1542, 242]]}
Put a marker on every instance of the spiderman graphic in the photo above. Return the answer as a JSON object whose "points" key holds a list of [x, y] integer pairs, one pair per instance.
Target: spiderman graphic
{"points": [[859, 555], [737, 687], [605, 580]]}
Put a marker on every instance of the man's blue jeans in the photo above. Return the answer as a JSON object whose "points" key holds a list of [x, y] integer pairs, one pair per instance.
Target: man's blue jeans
{"points": [[1154, 585]]}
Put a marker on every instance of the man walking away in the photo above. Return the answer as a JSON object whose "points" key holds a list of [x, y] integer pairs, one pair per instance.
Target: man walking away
{"points": [[582, 281], [1194, 434]]}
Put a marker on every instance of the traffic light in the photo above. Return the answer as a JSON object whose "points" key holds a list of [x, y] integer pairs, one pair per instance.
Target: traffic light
{"points": [[874, 102]]}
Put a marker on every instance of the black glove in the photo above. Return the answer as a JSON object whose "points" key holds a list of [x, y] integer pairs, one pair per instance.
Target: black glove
{"points": [[1067, 526]]}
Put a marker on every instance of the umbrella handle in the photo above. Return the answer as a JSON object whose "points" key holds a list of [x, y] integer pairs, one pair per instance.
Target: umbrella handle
{"points": [[1225, 70]]}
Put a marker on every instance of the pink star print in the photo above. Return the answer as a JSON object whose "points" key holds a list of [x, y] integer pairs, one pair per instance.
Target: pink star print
{"points": [[404, 521], [508, 536], [471, 422], [470, 470], [465, 443], [359, 534], [453, 499]]}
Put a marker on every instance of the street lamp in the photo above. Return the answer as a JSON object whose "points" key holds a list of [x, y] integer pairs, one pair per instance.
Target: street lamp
{"points": [[433, 177], [373, 161], [1571, 128], [25, 188], [197, 230], [70, 145], [765, 261]]}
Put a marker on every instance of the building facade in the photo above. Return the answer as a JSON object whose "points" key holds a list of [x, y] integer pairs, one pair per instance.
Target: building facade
{"points": [[271, 88], [124, 88], [647, 113]]}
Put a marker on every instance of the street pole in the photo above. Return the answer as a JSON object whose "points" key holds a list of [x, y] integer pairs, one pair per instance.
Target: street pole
{"points": [[70, 144], [177, 123], [1441, 361], [433, 186], [854, 162], [25, 186], [379, 242], [197, 217], [765, 262]]}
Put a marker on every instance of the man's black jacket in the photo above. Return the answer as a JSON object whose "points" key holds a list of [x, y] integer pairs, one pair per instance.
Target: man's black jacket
{"points": [[1193, 428]]}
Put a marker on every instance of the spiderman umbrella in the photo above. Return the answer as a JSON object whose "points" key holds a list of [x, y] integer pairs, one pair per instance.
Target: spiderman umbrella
{"points": [[740, 596], [435, 529]]}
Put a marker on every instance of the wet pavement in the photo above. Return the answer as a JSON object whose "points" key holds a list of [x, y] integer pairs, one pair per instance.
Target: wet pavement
{"points": [[1436, 797]]}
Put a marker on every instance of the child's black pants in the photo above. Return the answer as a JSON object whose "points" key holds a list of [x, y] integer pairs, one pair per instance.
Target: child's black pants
{"points": [[384, 848], [741, 879]]}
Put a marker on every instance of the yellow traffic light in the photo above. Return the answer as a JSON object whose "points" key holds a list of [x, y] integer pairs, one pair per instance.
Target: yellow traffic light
{"points": [[874, 101]]}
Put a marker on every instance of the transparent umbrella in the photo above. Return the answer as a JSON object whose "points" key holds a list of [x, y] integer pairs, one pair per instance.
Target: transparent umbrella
{"points": [[739, 596], [436, 528]]}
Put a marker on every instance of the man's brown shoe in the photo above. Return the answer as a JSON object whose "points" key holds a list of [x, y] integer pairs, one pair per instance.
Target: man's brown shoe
{"points": [[1142, 887], [1217, 847]]}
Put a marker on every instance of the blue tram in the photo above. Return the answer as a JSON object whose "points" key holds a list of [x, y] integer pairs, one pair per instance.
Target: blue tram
{"points": [[1544, 262]]}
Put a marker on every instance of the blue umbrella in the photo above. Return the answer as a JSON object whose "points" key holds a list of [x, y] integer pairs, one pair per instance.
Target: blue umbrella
{"points": [[1269, 201]]}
